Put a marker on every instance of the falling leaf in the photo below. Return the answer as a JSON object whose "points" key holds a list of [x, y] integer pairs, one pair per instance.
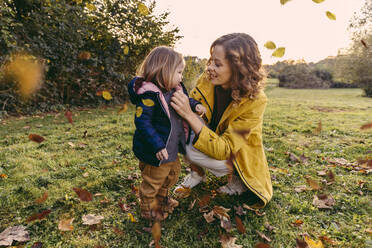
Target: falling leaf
{"points": [[26, 71], [42, 198], [204, 201], [68, 115], [261, 245], [126, 50], [323, 201], [300, 243], [331, 16], [131, 217], [66, 225], [279, 52], [240, 225], [366, 126], [313, 244], [228, 241], [39, 216], [15, 233], [263, 236], [84, 55], [106, 95], [270, 45], [313, 184], [365, 45], [36, 138], [123, 109], [284, 1], [91, 219], [3, 175], [318, 130], [209, 217], [83, 194], [156, 232], [142, 8], [183, 192], [318, 1]]}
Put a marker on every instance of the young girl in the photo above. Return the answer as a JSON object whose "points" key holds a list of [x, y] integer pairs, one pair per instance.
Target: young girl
{"points": [[160, 132]]}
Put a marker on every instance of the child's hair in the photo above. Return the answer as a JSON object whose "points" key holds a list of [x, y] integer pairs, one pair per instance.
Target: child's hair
{"points": [[160, 65], [244, 58]]}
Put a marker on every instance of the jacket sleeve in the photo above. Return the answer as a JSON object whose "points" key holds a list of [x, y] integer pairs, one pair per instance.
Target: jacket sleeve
{"points": [[192, 101], [143, 121], [221, 146]]}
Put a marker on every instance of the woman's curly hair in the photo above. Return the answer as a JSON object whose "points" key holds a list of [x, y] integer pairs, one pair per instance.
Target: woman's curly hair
{"points": [[241, 51]]}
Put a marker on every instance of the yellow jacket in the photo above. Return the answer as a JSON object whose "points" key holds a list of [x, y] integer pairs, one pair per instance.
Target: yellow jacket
{"points": [[250, 162]]}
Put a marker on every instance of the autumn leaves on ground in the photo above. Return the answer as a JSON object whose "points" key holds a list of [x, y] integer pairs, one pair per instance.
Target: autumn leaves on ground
{"points": [[77, 186]]}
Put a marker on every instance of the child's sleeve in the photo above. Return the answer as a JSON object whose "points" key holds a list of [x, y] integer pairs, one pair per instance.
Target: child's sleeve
{"points": [[143, 121], [192, 101]]}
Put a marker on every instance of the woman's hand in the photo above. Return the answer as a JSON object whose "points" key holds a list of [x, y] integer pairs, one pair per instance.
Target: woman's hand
{"points": [[180, 103], [200, 109]]}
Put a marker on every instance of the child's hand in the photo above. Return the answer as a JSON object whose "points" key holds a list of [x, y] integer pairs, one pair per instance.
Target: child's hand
{"points": [[200, 109], [162, 154]]}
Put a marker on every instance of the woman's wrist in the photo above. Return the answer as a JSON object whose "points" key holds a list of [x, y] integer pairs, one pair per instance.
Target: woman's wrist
{"points": [[195, 123]]}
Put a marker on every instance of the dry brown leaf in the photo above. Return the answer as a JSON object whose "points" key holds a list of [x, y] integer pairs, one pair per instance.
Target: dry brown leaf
{"points": [[91, 219], [312, 183], [366, 126], [42, 198], [318, 130], [86, 174], [39, 216], [239, 210], [183, 192], [261, 245], [328, 240], [301, 188], [15, 233], [300, 243], [269, 227], [66, 225], [331, 176], [191, 206], [221, 212], [68, 115], [118, 231], [228, 241], [83, 194], [204, 201], [226, 224], [209, 217], [263, 236], [323, 201], [123, 109], [123, 206], [36, 138], [37, 245], [240, 225], [71, 144], [293, 157]]}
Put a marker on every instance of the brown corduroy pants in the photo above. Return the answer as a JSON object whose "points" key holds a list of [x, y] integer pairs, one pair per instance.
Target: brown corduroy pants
{"points": [[156, 182]]}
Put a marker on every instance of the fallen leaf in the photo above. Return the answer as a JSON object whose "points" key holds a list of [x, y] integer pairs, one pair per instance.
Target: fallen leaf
{"points": [[313, 184], [331, 16], [221, 212], [321, 173], [123, 109], [318, 130], [71, 144], [328, 240], [83, 194], [293, 157], [131, 217], [118, 231], [300, 243], [313, 244], [240, 225], [261, 245], [26, 127], [263, 236], [3, 175], [39, 216], [124, 207], [209, 217], [36, 138], [270, 45], [156, 233], [37, 245], [15, 233], [366, 126], [66, 225], [84, 55], [298, 223], [204, 201], [68, 115], [239, 210], [86, 174], [42, 198], [228, 241], [301, 188], [183, 192], [91, 219], [304, 159], [269, 227], [323, 201], [331, 176], [226, 224], [191, 206]]}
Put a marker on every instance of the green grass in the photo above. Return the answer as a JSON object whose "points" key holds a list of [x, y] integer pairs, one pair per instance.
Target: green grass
{"points": [[290, 119]]}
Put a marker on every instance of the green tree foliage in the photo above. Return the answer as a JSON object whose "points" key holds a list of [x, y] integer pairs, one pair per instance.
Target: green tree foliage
{"points": [[85, 46], [193, 69]]}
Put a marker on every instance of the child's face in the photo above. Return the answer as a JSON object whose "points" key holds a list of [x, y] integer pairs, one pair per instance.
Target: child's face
{"points": [[177, 77], [219, 70]]}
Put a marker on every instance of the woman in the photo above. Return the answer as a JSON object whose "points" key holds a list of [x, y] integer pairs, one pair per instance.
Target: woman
{"points": [[232, 92]]}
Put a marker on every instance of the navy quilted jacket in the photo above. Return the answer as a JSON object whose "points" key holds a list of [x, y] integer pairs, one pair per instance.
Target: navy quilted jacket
{"points": [[152, 119]]}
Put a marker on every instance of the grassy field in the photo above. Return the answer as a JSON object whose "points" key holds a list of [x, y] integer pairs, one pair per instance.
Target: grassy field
{"points": [[94, 153]]}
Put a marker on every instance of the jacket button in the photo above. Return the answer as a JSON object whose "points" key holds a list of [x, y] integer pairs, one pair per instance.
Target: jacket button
{"points": [[199, 99], [210, 140]]}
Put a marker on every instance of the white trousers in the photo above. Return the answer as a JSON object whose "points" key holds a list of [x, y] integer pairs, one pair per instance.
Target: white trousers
{"points": [[216, 167]]}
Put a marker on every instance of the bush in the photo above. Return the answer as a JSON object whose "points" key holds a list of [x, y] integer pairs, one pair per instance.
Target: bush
{"points": [[85, 46]]}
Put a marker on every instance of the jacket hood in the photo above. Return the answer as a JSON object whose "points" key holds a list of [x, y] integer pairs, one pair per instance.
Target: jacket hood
{"points": [[138, 86]]}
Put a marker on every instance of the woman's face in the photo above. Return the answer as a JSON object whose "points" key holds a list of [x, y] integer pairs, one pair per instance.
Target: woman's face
{"points": [[219, 70]]}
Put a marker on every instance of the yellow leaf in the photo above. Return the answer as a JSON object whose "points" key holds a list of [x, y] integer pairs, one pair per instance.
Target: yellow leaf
{"points": [[126, 50], [183, 192], [279, 52], [284, 1], [106, 95], [90, 6], [331, 16], [143, 9], [312, 244], [148, 102], [318, 1], [131, 217], [139, 112], [66, 225], [270, 45], [3, 175]]}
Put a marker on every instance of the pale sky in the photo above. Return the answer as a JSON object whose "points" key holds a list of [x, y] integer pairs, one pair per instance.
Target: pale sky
{"points": [[301, 26]]}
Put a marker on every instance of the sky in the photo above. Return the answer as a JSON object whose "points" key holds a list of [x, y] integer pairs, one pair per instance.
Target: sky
{"points": [[301, 26]]}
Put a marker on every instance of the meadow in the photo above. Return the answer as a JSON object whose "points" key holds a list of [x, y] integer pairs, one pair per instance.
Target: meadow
{"points": [[314, 146]]}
